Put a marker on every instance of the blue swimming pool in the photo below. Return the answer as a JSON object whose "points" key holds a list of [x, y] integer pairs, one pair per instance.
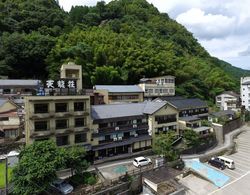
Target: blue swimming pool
{"points": [[218, 178]]}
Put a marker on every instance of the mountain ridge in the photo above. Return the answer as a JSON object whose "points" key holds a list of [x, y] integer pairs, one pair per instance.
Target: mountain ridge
{"points": [[116, 43]]}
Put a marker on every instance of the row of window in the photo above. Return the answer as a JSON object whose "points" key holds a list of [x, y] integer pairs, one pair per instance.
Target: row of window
{"points": [[163, 81], [60, 124], [59, 107], [123, 123], [123, 97], [193, 111], [160, 90], [165, 118], [164, 129], [64, 140]]}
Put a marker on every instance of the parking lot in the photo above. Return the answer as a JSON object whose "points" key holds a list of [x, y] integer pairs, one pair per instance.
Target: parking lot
{"points": [[239, 177]]}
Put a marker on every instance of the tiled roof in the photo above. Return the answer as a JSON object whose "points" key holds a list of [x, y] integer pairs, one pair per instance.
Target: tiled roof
{"points": [[230, 93], [223, 113], [124, 110], [18, 82], [119, 88], [191, 103]]}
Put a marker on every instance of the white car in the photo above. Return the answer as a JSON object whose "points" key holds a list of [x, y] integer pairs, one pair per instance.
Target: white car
{"points": [[62, 186], [141, 161]]}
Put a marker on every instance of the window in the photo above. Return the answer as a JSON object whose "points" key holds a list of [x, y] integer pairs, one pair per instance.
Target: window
{"points": [[62, 124], [10, 133], [6, 91], [61, 107], [79, 122], [156, 90], [79, 106], [4, 118], [62, 140], [165, 119], [103, 125], [165, 90], [171, 90], [81, 137], [41, 125], [40, 108]]}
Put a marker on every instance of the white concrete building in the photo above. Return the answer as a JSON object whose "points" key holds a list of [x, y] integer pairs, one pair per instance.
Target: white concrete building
{"points": [[245, 92], [158, 86], [228, 100]]}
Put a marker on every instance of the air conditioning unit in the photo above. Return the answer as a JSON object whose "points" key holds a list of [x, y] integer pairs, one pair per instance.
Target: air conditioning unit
{"points": [[136, 135], [116, 128], [134, 126], [120, 138], [115, 139]]}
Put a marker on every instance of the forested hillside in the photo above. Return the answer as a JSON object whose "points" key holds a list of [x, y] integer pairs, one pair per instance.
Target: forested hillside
{"points": [[117, 43]]}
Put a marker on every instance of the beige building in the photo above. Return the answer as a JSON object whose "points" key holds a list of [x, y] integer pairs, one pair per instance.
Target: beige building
{"points": [[10, 123], [158, 86], [120, 93], [65, 119], [72, 71], [164, 118]]}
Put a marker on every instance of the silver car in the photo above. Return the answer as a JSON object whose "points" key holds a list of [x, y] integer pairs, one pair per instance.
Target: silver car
{"points": [[62, 186]]}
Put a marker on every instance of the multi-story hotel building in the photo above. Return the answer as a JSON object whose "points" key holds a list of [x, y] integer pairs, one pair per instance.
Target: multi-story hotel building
{"points": [[228, 100], [18, 87], [120, 93], [65, 119], [245, 92], [158, 86], [128, 128]]}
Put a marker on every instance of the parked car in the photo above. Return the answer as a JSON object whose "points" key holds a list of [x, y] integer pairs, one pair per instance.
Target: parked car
{"points": [[217, 163], [228, 162], [141, 161], [62, 186]]}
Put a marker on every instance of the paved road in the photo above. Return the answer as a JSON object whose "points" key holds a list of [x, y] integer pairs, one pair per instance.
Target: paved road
{"points": [[240, 176]]}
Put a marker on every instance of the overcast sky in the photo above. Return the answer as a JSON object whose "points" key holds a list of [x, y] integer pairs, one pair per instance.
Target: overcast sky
{"points": [[221, 26]]}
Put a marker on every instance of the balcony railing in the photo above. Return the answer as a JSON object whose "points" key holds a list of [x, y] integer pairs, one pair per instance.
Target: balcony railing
{"points": [[124, 138], [122, 128]]}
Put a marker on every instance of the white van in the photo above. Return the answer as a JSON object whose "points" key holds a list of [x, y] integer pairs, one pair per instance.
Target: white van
{"points": [[228, 162]]}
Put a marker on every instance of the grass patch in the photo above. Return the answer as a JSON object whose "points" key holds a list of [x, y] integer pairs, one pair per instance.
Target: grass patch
{"points": [[2, 174]]}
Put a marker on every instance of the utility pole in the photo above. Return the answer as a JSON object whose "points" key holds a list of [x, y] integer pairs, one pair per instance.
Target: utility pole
{"points": [[6, 175]]}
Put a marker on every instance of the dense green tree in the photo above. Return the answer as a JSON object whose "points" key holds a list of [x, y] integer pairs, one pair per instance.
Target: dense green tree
{"points": [[37, 167], [75, 159], [129, 35], [23, 55], [163, 145], [191, 138]]}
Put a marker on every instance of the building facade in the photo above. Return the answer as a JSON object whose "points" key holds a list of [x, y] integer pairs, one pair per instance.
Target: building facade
{"points": [[158, 86], [14, 87], [120, 93], [191, 107], [228, 101], [245, 92], [10, 120], [129, 128], [64, 119]]}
